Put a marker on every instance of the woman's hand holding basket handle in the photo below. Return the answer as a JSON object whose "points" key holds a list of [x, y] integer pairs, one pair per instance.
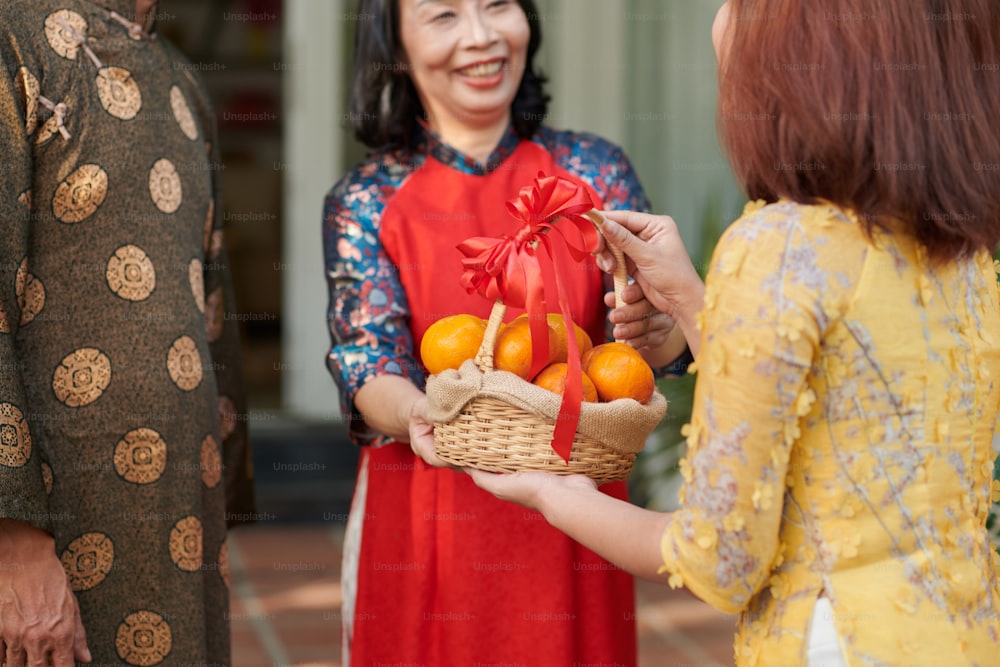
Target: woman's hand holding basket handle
{"points": [[659, 263]]}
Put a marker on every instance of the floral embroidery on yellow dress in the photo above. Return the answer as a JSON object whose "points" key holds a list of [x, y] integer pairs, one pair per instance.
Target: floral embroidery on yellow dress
{"points": [[841, 444]]}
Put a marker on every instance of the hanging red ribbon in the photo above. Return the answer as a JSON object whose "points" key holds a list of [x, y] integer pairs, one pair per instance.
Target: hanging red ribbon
{"points": [[520, 270]]}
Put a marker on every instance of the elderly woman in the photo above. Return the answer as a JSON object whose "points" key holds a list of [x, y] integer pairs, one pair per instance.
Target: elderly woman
{"points": [[436, 571]]}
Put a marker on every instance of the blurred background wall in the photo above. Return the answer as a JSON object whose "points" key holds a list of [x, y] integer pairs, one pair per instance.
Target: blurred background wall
{"points": [[639, 72]]}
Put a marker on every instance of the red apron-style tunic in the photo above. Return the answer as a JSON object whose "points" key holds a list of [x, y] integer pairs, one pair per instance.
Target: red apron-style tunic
{"points": [[448, 575]]}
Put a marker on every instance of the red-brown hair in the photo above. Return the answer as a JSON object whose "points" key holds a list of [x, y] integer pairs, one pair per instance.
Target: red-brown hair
{"points": [[886, 108]]}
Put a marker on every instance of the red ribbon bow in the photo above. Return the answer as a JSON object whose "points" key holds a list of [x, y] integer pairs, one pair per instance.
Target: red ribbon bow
{"points": [[519, 270]]}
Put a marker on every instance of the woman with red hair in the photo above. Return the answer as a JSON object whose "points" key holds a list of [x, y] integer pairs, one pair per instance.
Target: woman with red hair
{"points": [[838, 474]]}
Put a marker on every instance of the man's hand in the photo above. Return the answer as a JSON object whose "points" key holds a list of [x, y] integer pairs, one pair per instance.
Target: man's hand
{"points": [[39, 617]]}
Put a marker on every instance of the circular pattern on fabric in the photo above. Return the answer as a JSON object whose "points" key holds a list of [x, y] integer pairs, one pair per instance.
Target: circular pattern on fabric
{"points": [[143, 639], [184, 363], [80, 194], [130, 273], [165, 186], [227, 416], [182, 113], [25, 199], [81, 377], [49, 128], [185, 544], [47, 478], [197, 279], [15, 437], [28, 88], [118, 92], [141, 456], [211, 462], [30, 293], [213, 315], [88, 560], [59, 37]]}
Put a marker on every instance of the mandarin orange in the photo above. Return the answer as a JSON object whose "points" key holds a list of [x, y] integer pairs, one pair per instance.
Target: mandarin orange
{"points": [[451, 340], [512, 351], [619, 371], [553, 378], [583, 342], [560, 349]]}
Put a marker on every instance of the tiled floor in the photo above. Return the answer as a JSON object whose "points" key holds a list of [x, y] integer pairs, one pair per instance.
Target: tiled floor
{"points": [[286, 606]]}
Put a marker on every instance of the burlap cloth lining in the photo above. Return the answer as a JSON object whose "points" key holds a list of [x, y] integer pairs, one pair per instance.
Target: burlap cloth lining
{"points": [[622, 425]]}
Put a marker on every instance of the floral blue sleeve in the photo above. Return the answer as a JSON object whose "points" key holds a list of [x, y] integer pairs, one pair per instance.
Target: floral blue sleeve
{"points": [[600, 163], [368, 311]]}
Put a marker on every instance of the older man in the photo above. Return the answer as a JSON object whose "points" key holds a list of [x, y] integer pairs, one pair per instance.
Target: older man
{"points": [[122, 455]]}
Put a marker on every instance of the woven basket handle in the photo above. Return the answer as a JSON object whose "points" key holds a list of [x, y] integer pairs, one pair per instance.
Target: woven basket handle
{"points": [[621, 271], [484, 357]]}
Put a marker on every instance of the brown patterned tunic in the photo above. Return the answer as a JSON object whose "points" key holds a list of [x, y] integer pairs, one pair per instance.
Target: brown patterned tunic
{"points": [[120, 377]]}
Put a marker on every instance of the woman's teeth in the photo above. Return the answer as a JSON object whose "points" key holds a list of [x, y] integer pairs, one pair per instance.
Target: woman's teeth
{"points": [[483, 69]]}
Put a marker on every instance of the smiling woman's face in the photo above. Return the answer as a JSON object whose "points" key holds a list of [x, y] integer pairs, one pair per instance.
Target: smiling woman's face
{"points": [[465, 57]]}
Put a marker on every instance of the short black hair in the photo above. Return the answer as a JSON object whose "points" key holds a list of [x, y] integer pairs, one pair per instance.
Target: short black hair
{"points": [[380, 73]]}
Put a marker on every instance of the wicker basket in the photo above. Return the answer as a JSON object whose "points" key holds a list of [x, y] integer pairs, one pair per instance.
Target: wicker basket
{"points": [[494, 435]]}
